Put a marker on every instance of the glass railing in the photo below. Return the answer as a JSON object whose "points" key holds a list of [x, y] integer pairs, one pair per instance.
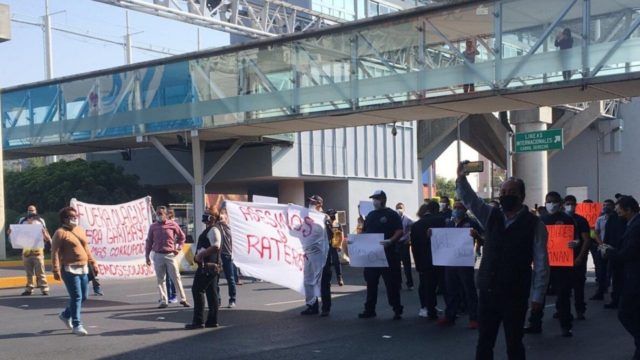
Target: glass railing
{"points": [[393, 59]]}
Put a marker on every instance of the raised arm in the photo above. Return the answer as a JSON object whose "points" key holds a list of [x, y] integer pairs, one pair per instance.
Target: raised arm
{"points": [[471, 200]]}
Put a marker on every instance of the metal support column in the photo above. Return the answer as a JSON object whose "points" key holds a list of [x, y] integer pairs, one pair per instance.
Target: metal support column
{"points": [[128, 56], [48, 54], [586, 36], [497, 42], [197, 155]]}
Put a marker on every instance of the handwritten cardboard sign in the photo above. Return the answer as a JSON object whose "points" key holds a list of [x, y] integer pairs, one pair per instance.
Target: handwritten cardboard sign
{"points": [[558, 245], [117, 235], [590, 211], [365, 250], [452, 247], [26, 236]]}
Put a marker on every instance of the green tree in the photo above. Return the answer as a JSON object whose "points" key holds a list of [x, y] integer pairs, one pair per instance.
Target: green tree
{"points": [[445, 187]]}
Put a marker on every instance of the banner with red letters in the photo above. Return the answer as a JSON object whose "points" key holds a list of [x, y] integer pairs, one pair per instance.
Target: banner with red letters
{"points": [[117, 235], [268, 240]]}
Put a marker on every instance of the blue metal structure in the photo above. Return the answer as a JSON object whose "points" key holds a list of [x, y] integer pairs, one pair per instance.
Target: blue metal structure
{"points": [[410, 59]]}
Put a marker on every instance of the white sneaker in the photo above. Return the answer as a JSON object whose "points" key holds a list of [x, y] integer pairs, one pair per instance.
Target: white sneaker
{"points": [[66, 321], [423, 312], [232, 304], [80, 330]]}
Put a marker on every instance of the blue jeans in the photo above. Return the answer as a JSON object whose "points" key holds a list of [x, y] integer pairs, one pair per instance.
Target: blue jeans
{"points": [[171, 289], [77, 288], [230, 274]]}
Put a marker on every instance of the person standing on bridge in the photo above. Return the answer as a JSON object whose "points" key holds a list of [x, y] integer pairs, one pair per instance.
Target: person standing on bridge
{"points": [[71, 259], [628, 255], [383, 220], [470, 53], [165, 238], [514, 239], [564, 41]]}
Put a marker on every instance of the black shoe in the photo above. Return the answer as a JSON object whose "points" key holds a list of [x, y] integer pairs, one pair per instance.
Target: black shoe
{"points": [[397, 316], [567, 333], [367, 315], [211, 324], [611, 306], [193, 326], [531, 329], [26, 293], [311, 310], [597, 296], [580, 316], [324, 313]]}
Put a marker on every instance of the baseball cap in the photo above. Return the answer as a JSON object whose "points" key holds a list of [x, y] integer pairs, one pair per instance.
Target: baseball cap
{"points": [[378, 194], [316, 199]]}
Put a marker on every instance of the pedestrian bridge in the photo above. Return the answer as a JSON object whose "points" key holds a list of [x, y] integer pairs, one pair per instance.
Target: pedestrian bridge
{"points": [[398, 67]]}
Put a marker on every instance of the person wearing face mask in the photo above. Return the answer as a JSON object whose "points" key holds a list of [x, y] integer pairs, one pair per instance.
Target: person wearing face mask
{"points": [[628, 255], [459, 280], [580, 262], [165, 239], [614, 228], [514, 239], [404, 246], [602, 277], [383, 220], [33, 259], [70, 260], [445, 207], [561, 276], [317, 264]]}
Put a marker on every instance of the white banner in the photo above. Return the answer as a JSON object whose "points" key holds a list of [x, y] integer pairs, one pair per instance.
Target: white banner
{"points": [[268, 240], [117, 235], [365, 250], [26, 236], [452, 247]]}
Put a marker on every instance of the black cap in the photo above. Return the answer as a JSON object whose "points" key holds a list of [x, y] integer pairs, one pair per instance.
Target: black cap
{"points": [[316, 199], [378, 194], [331, 212]]}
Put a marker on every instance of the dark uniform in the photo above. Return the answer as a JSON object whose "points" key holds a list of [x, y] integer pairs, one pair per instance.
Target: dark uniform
{"points": [[580, 272], [429, 274], [325, 281], [383, 221]]}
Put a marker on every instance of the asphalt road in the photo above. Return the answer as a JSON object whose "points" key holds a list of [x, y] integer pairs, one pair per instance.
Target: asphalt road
{"points": [[125, 324]]}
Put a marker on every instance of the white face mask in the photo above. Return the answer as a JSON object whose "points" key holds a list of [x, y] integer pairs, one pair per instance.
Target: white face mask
{"points": [[443, 206], [570, 209], [552, 208], [73, 222]]}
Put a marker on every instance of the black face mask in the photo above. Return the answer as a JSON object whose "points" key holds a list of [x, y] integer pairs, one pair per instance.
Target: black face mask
{"points": [[206, 218], [509, 202]]}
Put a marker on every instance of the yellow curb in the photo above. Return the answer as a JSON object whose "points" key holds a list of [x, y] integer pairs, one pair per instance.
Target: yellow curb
{"points": [[20, 281], [17, 263]]}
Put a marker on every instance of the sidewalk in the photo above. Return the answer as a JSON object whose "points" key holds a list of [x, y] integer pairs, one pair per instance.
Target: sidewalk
{"points": [[12, 274]]}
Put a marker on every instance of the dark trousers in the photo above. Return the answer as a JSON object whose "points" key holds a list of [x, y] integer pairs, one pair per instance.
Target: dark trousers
{"points": [[334, 259], [427, 289], [460, 285], [616, 273], [391, 277], [405, 258], [204, 283], [467, 88], [629, 316], [506, 308], [95, 281], [230, 272], [566, 75], [579, 279], [562, 278], [601, 270], [325, 286]]}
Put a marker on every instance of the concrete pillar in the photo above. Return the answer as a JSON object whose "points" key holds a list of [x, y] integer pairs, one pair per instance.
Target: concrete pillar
{"points": [[531, 167], [292, 191]]}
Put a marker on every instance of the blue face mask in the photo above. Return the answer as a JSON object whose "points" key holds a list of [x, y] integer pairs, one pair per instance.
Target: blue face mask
{"points": [[458, 214]]}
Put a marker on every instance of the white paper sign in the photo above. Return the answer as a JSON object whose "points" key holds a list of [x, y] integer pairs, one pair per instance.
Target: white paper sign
{"points": [[265, 244], [365, 250], [264, 199], [365, 207], [117, 236], [452, 247], [26, 236]]}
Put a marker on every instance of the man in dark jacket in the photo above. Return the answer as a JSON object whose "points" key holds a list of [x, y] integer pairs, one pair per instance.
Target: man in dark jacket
{"points": [[628, 254], [514, 239], [421, 248], [614, 228]]}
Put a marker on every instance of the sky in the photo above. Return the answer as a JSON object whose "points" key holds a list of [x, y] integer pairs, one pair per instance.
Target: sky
{"points": [[22, 59]]}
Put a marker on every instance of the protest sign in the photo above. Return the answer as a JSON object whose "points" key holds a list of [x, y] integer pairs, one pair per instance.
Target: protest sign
{"points": [[365, 250], [365, 207], [558, 245], [268, 240], [452, 247], [590, 211], [26, 236], [117, 236]]}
